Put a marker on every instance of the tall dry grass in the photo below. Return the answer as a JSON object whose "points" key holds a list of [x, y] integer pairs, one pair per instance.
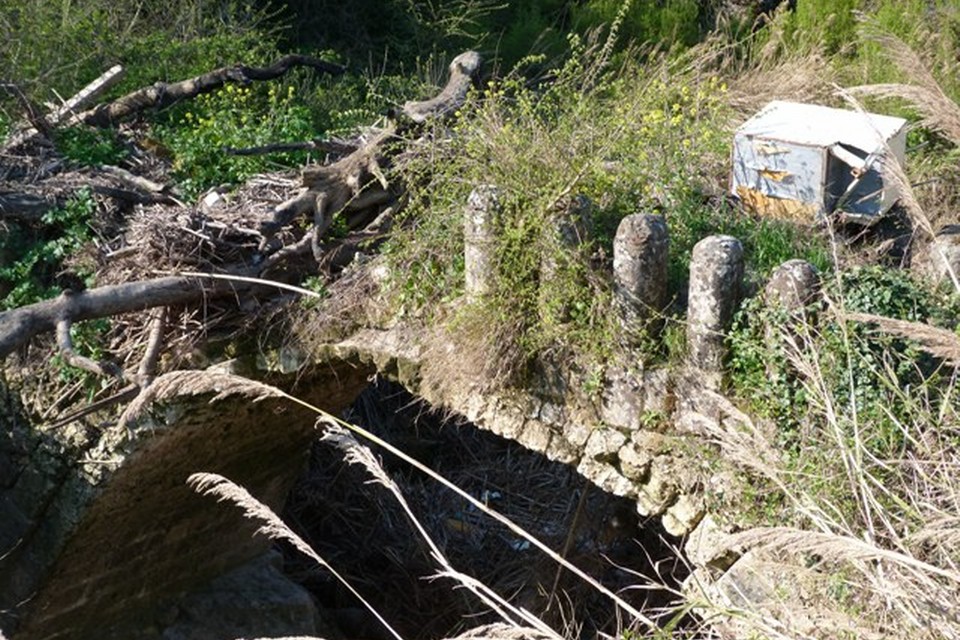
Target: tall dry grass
{"points": [[343, 435], [875, 531], [924, 92]]}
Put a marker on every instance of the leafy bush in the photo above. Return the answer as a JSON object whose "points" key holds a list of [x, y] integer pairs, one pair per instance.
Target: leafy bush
{"points": [[30, 258], [90, 147], [234, 116], [855, 361]]}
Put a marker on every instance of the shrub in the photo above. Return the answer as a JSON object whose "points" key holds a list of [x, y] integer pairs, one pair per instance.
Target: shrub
{"points": [[235, 116], [30, 258]]}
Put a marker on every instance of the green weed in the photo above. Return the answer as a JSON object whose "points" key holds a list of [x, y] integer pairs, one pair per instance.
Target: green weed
{"points": [[234, 116], [90, 147], [30, 258]]}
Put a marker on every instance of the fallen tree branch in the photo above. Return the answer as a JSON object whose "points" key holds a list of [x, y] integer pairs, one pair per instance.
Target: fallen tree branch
{"points": [[163, 94], [80, 100], [463, 71], [19, 325], [24, 207], [359, 180], [327, 146]]}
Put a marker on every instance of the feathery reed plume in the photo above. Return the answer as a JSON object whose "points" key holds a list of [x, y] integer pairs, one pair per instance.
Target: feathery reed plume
{"points": [[833, 547], [935, 341], [924, 92], [192, 383], [272, 526]]}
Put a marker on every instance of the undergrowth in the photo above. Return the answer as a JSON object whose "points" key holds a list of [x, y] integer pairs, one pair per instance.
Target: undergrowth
{"points": [[629, 138], [30, 258]]}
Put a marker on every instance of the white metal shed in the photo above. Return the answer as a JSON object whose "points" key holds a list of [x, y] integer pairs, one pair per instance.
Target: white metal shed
{"points": [[803, 161]]}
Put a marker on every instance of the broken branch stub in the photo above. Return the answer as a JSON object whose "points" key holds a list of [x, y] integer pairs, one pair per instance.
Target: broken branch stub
{"points": [[463, 71], [358, 181]]}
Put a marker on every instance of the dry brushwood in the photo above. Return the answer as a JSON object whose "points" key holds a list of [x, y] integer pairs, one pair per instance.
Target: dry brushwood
{"points": [[224, 241]]}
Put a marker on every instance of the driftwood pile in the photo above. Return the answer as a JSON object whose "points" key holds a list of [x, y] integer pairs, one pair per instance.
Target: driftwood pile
{"points": [[171, 263]]}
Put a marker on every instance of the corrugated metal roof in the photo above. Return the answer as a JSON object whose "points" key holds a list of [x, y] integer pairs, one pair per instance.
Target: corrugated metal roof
{"points": [[815, 125]]}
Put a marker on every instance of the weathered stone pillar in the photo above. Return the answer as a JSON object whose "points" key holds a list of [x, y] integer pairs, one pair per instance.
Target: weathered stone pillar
{"points": [[640, 251], [479, 229], [792, 288], [716, 277], [793, 285], [565, 229]]}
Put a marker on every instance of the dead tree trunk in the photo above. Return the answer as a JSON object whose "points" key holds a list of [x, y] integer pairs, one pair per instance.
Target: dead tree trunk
{"points": [[162, 94]]}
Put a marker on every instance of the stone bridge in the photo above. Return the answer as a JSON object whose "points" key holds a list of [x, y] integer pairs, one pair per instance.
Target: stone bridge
{"points": [[99, 534]]}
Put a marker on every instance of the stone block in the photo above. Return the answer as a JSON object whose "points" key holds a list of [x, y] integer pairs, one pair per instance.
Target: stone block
{"points": [[657, 493], [623, 398], [536, 436], [606, 477], [576, 432], [604, 444], [683, 515]]}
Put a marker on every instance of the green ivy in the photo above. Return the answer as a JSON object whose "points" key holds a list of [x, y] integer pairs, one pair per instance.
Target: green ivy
{"points": [[90, 147], [30, 258]]}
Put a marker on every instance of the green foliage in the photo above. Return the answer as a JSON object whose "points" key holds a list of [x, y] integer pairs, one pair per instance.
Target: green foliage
{"points": [[90, 147], [830, 23], [869, 373], [49, 44], [234, 116], [662, 23], [30, 258]]}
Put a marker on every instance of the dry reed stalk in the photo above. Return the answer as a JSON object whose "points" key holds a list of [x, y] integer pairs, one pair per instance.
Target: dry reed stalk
{"points": [[272, 526], [192, 382], [935, 341], [355, 453], [939, 111]]}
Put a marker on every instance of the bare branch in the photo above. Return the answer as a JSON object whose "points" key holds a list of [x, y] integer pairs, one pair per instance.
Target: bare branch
{"points": [[17, 326], [162, 94], [147, 370]]}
